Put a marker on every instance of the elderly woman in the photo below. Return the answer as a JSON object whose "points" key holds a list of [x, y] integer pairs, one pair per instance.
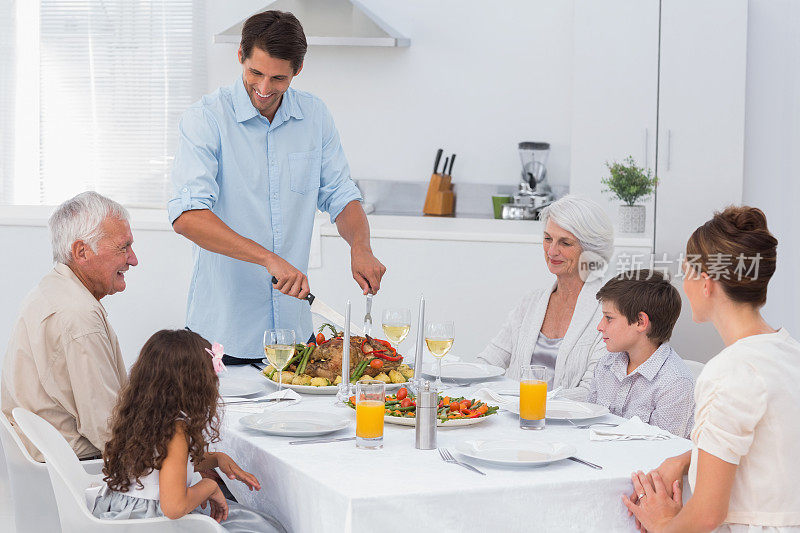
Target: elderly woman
{"points": [[556, 326]]}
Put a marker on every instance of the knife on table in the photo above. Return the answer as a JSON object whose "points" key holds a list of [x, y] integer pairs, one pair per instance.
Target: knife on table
{"points": [[318, 307]]}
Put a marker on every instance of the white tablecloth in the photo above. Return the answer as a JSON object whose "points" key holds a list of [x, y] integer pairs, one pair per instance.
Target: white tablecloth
{"points": [[337, 487]]}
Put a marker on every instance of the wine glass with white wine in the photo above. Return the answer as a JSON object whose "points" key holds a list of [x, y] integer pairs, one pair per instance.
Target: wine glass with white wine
{"points": [[396, 324], [439, 338], [279, 348]]}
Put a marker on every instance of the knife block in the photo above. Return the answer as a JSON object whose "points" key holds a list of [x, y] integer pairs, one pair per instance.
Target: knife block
{"points": [[440, 199]]}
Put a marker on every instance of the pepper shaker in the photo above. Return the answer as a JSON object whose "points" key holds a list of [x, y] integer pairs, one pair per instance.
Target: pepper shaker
{"points": [[427, 405]]}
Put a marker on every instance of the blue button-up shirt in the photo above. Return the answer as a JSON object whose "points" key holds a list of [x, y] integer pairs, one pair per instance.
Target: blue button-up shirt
{"points": [[660, 391], [266, 181]]}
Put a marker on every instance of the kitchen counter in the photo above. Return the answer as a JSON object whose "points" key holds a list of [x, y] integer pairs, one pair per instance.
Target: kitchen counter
{"points": [[464, 229]]}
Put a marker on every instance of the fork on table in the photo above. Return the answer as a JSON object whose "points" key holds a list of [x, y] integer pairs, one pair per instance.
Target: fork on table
{"points": [[447, 457]]}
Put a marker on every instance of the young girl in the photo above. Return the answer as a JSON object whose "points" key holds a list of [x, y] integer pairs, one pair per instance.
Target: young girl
{"points": [[743, 466], [161, 426]]}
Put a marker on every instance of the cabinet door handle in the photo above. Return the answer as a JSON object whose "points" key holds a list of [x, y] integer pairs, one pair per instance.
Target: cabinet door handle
{"points": [[669, 149]]}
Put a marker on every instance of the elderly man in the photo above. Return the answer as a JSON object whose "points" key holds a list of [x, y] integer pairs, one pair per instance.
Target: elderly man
{"points": [[63, 361]]}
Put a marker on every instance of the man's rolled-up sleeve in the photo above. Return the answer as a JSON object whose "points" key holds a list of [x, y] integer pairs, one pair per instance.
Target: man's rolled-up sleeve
{"points": [[336, 189], [94, 384], [194, 174]]}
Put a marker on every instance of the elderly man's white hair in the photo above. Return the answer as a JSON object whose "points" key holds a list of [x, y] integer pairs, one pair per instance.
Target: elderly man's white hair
{"points": [[79, 219], [586, 220]]}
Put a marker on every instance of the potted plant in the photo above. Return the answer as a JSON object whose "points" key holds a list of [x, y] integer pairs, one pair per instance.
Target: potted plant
{"points": [[630, 183]]}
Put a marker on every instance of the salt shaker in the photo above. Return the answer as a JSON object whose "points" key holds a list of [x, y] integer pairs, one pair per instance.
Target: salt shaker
{"points": [[427, 405]]}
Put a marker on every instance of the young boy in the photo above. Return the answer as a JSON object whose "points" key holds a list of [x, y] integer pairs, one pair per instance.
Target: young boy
{"points": [[642, 375]]}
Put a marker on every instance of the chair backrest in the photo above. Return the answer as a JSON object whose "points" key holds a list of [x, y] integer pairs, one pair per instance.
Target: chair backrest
{"points": [[34, 502], [69, 480], [695, 366]]}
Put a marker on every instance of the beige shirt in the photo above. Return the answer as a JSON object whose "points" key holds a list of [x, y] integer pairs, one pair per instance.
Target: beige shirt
{"points": [[64, 363], [747, 399]]}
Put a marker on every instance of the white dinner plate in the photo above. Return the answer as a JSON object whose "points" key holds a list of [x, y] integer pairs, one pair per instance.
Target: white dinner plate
{"points": [[295, 423], [573, 410], [516, 453], [239, 387], [464, 371]]}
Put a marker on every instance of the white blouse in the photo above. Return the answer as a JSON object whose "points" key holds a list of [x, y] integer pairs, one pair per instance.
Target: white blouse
{"points": [[747, 400]]}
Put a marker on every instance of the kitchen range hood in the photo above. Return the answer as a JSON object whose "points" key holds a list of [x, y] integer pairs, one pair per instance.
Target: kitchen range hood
{"points": [[330, 23]]}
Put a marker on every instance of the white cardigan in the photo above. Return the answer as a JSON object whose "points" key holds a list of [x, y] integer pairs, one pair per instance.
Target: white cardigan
{"points": [[578, 354]]}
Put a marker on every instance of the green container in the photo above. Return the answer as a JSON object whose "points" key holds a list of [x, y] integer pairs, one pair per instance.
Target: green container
{"points": [[498, 200]]}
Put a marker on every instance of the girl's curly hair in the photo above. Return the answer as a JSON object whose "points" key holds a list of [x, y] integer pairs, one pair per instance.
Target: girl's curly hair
{"points": [[173, 379]]}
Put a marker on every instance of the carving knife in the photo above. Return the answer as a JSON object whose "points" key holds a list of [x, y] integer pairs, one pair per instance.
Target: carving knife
{"points": [[318, 307]]}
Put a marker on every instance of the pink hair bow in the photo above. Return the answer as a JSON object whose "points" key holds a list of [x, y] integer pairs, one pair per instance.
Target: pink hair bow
{"points": [[216, 352]]}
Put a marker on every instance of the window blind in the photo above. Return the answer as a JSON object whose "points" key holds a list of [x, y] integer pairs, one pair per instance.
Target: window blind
{"points": [[114, 78]]}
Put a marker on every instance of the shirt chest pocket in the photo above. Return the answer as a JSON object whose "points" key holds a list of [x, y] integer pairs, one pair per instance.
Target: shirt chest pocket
{"points": [[304, 171]]}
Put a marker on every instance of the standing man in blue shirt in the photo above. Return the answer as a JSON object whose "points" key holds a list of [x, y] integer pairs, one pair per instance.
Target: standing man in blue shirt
{"points": [[254, 162]]}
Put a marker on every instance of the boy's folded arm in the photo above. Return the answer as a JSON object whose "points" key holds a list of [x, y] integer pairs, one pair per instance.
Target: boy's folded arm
{"points": [[674, 407]]}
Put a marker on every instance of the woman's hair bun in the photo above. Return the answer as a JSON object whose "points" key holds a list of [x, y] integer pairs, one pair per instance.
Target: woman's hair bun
{"points": [[736, 249]]}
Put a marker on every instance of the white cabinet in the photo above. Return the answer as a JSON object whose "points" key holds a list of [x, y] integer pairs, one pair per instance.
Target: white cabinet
{"points": [[664, 82], [615, 91], [700, 115]]}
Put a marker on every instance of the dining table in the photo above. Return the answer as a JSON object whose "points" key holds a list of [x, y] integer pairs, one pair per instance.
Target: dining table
{"points": [[337, 487]]}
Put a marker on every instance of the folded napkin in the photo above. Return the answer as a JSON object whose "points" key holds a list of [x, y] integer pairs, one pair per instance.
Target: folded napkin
{"points": [[509, 403], [252, 405], [632, 429]]}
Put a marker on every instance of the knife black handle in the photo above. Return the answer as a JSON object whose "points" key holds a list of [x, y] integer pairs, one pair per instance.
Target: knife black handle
{"points": [[309, 298], [452, 160], [439, 153], [444, 167]]}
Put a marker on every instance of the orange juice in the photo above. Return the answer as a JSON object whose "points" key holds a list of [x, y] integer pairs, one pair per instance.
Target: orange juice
{"points": [[369, 419], [532, 399]]}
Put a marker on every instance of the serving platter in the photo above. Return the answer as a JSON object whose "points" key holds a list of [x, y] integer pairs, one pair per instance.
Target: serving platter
{"points": [[329, 390]]}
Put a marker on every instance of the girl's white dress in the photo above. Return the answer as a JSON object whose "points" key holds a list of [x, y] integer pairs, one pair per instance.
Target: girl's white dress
{"points": [[144, 503]]}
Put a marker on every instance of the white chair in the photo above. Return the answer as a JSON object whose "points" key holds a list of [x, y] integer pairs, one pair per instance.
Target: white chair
{"points": [[695, 366], [33, 501], [69, 481]]}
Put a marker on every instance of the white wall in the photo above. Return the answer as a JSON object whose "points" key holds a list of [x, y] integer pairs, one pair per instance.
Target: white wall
{"points": [[772, 135], [478, 78]]}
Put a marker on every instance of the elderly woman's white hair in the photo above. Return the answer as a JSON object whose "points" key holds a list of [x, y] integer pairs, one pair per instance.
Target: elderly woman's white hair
{"points": [[586, 220], [80, 219]]}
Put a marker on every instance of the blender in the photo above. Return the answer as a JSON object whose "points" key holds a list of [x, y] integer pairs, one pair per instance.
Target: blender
{"points": [[534, 192]]}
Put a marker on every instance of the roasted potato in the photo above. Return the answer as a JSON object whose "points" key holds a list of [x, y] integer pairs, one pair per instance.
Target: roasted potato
{"points": [[407, 372], [338, 380], [287, 377], [383, 377], [366, 377], [319, 382], [396, 376], [267, 370], [303, 379]]}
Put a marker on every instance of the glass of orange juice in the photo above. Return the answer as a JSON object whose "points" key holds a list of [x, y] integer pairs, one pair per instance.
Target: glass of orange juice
{"points": [[370, 402], [532, 396]]}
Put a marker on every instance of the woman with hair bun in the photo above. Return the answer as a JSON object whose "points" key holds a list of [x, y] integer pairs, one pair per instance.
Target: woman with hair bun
{"points": [[742, 467]]}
